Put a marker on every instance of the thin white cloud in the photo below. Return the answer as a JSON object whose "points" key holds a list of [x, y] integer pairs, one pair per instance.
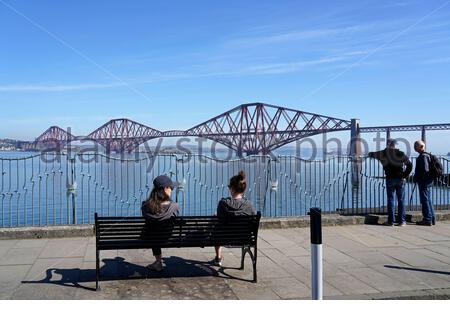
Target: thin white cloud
{"points": [[437, 61], [399, 4], [295, 36], [224, 70], [280, 68], [56, 87]]}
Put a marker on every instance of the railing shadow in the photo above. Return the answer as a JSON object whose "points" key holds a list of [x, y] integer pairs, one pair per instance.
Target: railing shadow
{"points": [[418, 270], [120, 269]]}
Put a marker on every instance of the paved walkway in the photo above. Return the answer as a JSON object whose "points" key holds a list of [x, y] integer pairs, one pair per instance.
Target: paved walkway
{"points": [[361, 262]]}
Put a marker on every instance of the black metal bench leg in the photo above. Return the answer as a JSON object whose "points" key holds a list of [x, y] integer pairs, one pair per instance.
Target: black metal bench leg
{"points": [[255, 279], [244, 252], [97, 270], [253, 257]]}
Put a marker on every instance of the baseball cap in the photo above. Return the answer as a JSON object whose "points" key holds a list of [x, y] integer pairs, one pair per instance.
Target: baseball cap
{"points": [[164, 182]]}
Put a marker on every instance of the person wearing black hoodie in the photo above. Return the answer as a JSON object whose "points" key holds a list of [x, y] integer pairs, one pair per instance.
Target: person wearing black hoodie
{"points": [[235, 205], [397, 168]]}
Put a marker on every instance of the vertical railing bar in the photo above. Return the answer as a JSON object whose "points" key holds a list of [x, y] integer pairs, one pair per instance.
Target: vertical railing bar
{"points": [[18, 193], [10, 194], [60, 172], [89, 178], [53, 189], [25, 189]]}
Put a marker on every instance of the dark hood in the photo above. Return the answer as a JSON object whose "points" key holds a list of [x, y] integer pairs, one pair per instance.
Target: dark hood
{"points": [[168, 211], [229, 206]]}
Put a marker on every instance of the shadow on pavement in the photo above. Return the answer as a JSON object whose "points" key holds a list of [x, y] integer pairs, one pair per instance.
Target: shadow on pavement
{"points": [[418, 270], [119, 269]]}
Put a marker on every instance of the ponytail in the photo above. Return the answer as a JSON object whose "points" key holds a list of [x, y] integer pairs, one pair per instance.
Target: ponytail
{"points": [[238, 182]]}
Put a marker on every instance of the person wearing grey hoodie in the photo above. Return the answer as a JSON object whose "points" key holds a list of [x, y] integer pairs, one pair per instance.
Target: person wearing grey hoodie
{"points": [[236, 205], [158, 209]]}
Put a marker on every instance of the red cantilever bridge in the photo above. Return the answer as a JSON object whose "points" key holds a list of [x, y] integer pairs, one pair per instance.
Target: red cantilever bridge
{"points": [[249, 128]]}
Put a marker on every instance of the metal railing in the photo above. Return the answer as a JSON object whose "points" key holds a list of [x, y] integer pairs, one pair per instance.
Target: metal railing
{"points": [[62, 188]]}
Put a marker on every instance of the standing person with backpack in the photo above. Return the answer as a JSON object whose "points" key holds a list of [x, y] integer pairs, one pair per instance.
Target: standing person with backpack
{"points": [[397, 168], [428, 169]]}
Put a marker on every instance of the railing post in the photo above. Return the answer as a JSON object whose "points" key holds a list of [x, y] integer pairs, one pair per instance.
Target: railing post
{"points": [[316, 254], [355, 157], [72, 188]]}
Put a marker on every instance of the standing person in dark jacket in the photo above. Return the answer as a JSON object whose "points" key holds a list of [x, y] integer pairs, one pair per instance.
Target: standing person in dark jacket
{"points": [[425, 182], [235, 205], [397, 168], [158, 209]]}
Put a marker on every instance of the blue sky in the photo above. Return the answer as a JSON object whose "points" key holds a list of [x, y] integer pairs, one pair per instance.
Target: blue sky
{"points": [[174, 64]]}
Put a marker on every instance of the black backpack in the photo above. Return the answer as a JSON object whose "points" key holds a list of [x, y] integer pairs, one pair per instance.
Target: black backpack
{"points": [[436, 169]]}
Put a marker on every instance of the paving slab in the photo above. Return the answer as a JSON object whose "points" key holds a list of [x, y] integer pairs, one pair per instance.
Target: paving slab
{"points": [[288, 288], [28, 243], [10, 279], [23, 256], [43, 291], [398, 273], [349, 284], [270, 269], [340, 259], [345, 244], [252, 291], [3, 251], [413, 258], [428, 252], [371, 258], [378, 280], [7, 244], [65, 248]]}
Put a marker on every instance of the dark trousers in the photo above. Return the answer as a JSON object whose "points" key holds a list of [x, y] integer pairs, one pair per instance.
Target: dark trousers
{"points": [[156, 251], [162, 229], [428, 213], [396, 187]]}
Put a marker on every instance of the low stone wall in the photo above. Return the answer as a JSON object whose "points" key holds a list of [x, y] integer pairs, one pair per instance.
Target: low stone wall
{"points": [[328, 220], [47, 232]]}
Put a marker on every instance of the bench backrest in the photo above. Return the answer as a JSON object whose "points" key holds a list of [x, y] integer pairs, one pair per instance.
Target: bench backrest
{"points": [[200, 231]]}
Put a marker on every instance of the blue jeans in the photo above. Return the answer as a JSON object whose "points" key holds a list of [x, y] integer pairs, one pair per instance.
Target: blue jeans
{"points": [[428, 213], [396, 187]]}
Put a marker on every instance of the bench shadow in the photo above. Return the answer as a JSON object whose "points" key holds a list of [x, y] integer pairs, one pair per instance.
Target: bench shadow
{"points": [[180, 267], [418, 270], [120, 269]]}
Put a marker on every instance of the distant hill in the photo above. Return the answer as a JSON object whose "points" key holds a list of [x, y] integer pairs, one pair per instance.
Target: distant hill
{"points": [[15, 145]]}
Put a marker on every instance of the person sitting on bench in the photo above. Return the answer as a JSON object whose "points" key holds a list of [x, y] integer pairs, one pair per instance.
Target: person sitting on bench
{"points": [[159, 208], [235, 205]]}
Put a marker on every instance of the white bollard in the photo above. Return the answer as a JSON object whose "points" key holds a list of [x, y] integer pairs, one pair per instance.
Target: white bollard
{"points": [[316, 254]]}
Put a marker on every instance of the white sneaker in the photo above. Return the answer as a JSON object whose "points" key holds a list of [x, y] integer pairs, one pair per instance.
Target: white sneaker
{"points": [[218, 261], [156, 266]]}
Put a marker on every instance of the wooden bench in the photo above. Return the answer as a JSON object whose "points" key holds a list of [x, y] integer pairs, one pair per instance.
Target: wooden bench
{"points": [[114, 233]]}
